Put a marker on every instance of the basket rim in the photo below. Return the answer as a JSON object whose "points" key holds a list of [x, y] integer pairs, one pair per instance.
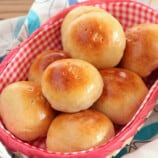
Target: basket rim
{"points": [[26, 148], [7, 137], [11, 54]]}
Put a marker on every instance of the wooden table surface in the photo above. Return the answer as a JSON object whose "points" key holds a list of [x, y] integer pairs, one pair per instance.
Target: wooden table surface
{"points": [[14, 8]]}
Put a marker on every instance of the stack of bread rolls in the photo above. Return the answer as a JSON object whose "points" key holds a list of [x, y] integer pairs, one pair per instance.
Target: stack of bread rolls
{"points": [[74, 97]]}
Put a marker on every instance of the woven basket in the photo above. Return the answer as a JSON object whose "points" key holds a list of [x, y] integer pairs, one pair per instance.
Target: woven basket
{"points": [[15, 67]]}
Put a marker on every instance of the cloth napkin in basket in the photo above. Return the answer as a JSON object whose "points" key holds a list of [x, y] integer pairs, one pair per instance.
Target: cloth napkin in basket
{"points": [[14, 31]]}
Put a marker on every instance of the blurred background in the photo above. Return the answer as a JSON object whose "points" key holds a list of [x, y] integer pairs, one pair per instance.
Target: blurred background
{"points": [[14, 8]]}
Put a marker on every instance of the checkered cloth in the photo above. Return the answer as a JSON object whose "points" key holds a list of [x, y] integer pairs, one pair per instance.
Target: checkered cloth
{"points": [[28, 41]]}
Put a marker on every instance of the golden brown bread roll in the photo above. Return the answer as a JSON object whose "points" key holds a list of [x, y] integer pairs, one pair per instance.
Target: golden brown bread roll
{"points": [[42, 61], [122, 95], [24, 110], [71, 85], [141, 49], [92, 34], [79, 131]]}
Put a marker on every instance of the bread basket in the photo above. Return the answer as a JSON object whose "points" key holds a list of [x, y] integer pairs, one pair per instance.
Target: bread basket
{"points": [[16, 64]]}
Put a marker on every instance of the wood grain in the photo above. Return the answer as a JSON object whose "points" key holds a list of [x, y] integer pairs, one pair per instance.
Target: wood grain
{"points": [[14, 8]]}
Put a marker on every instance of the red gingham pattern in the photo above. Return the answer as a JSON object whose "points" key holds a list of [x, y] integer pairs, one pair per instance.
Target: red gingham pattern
{"points": [[47, 38], [131, 13], [16, 65]]}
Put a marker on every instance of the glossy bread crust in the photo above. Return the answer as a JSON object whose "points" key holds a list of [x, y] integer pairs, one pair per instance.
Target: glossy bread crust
{"points": [[122, 95], [92, 34], [141, 53], [24, 110], [71, 85], [41, 62], [79, 131]]}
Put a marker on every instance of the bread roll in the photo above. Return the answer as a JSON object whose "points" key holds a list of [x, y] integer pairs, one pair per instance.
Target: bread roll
{"points": [[141, 53], [79, 131], [122, 95], [92, 34], [71, 85], [24, 110], [42, 61]]}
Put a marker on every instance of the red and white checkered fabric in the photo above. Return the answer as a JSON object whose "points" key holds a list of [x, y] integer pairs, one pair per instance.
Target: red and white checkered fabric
{"points": [[16, 65]]}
